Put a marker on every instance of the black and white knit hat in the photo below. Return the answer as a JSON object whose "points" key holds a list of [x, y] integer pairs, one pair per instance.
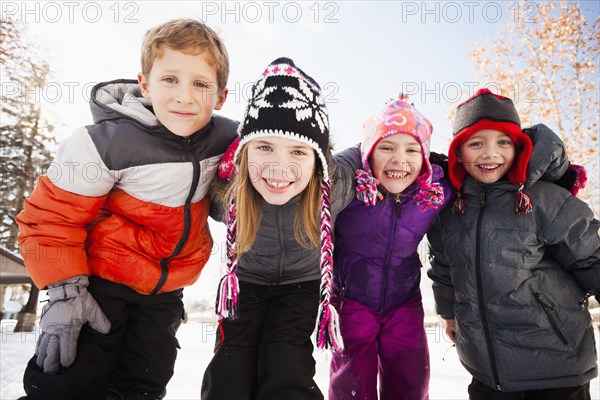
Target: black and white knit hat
{"points": [[288, 103]]}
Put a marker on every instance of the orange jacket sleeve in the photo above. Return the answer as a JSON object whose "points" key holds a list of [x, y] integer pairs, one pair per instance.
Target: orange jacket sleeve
{"points": [[52, 232]]}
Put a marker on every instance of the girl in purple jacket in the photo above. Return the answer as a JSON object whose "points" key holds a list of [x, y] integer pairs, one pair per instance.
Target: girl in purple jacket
{"points": [[377, 267]]}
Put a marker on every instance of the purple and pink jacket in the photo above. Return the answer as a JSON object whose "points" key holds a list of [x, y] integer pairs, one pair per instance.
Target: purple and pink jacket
{"points": [[382, 269]]}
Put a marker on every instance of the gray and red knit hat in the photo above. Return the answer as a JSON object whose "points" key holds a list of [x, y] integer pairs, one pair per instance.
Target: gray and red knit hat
{"points": [[486, 110], [398, 116], [287, 103]]}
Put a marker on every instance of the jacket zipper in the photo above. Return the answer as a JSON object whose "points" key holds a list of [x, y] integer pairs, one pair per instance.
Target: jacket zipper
{"points": [[346, 279], [390, 248], [345, 284], [281, 247], [548, 309], [486, 328], [187, 220]]}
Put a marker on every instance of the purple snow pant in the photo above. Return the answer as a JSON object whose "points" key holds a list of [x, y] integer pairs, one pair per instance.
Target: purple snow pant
{"points": [[393, 344]]}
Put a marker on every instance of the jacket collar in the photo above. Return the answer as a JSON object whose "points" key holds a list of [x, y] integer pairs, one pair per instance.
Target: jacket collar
{"points": [[292, 203], [472, 186]]}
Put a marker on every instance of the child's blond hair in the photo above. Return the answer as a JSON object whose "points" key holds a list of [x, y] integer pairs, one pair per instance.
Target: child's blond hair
{"points": [[248, 204]]}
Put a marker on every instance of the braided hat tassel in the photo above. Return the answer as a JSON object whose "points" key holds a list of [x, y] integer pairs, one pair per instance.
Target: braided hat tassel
{"points": [[328, 328], [227, 294]]}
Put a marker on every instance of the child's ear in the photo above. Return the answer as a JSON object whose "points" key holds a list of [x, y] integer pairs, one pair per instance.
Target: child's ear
{"points": [[221, 99], [144, 86]]}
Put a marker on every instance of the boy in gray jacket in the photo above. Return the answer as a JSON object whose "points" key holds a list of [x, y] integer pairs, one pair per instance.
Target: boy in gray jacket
{"points": [[512, 259]]}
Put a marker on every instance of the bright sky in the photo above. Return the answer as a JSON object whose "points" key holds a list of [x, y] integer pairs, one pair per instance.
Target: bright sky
{"points": [[361, 53]]}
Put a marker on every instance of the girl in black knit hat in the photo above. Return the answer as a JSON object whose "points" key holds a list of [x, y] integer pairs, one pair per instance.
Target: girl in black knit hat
{"points": [[514, 260], [280, 252]]}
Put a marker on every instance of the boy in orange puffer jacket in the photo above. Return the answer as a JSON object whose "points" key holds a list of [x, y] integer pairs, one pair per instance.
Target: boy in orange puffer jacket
{"points": [[120, 227]]}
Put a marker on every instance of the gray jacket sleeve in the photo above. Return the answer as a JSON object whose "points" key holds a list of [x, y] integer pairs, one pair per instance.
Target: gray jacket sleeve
{"points": [[217, 191], [344, 186], [439, 273], [574, 242], [549, 156]]}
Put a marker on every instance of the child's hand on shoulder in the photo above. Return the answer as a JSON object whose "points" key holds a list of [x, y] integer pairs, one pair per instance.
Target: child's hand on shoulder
{"points": [[451, 329]]}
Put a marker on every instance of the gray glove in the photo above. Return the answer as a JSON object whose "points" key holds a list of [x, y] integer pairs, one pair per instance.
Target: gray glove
{"points": [[69, 307]]}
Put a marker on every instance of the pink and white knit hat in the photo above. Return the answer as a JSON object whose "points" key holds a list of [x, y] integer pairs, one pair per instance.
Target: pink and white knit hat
{"points": [[398, 116], [286, 103]]}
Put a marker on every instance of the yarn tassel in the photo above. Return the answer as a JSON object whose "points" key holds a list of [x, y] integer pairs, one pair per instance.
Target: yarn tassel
{"points": [[327, 330], [227, 294], [366, 187], [430, 197], [523, 202], [580, 180], [459, 207]]}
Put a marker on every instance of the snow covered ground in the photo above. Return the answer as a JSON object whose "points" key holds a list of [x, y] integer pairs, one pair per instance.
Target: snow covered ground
{"points": [[449, 380]]}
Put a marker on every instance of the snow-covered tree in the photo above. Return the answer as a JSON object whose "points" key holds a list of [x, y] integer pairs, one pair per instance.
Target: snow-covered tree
{"points": [[25, 133], [546, 58]]}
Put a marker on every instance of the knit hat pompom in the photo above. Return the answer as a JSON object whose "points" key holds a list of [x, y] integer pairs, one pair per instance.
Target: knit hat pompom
{"points": [[486, 110], [287, 103], [398, 116]]}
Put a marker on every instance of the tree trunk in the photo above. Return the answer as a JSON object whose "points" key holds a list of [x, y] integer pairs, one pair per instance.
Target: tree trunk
{"points": [[28, 315]]}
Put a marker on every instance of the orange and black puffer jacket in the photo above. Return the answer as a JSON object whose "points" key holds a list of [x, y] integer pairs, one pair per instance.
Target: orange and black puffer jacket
{"points": [[125, 199]]}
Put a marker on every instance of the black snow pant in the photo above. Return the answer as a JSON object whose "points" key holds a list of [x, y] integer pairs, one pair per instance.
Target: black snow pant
{"points": [[479, 391], [136, 358], [266, 353]]}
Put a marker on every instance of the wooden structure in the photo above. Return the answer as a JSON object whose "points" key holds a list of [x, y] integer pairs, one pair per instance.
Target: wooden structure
{"points": [[13, 272]]}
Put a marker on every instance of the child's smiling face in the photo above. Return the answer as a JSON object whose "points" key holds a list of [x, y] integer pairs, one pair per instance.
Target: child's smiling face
{"points": [[396, 161], [183, 89], [280, 168], [487, 155]]}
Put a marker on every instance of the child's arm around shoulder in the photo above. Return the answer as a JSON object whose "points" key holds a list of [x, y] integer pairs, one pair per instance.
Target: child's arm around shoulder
{"points": [[439, 272], [445, 184], [549, 159], [549, 156], [345, 163], [52, 224], [573, 238], [439, 168], [225, 130], [218, 202]]}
